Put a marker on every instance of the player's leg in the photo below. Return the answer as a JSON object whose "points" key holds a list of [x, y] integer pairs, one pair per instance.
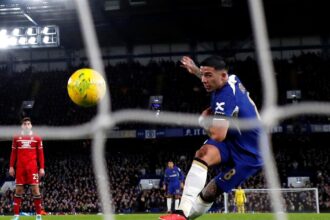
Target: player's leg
{"points": [[19, 191], [177, 201], [34, 182], [239, 208], [243, 208], [224, 182], [36, 199], [207, 155], [169, 197], [169, 204], [205, 199], [177, 197]]}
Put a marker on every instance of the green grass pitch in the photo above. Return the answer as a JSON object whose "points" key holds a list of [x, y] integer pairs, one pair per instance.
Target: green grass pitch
{"points": [[205, 217]]}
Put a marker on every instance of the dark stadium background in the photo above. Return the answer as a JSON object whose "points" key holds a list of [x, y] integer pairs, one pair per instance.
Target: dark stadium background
{"points": [[69, 175]]}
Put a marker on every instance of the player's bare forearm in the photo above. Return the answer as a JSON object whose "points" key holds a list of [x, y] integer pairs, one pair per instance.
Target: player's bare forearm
{"points": [[204, 120], [41, 172], [11, 171], [198, 74], [190, 65]]}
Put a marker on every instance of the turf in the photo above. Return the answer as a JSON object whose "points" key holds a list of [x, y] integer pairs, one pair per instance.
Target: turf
{"points": [[205, 217]]}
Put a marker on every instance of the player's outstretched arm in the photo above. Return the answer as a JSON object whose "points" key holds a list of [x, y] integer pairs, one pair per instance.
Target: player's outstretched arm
{"points": [[190, 65]]}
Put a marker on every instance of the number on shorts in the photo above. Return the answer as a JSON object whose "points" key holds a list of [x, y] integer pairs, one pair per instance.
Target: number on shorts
{"points": [[230, 174], [35, 176]]}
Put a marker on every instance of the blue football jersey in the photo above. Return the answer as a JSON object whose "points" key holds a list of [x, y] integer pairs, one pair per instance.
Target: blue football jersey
{"points": [[232, 100], [173, 176]]}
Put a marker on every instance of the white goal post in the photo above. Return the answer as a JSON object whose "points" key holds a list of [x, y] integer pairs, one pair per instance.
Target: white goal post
{"points": [[257, 200]]}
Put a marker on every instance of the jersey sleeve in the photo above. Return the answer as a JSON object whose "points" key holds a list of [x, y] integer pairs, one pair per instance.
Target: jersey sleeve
{"points": [[181, 175], [165, 177], [40, 152], [13, 155], [225, 103]]}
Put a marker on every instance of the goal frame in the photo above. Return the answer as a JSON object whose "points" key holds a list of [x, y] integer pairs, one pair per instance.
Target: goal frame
{"points": [[316, 194]]}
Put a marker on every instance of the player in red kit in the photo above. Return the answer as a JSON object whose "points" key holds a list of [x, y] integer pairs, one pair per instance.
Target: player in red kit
{"points": [[27, 166]]}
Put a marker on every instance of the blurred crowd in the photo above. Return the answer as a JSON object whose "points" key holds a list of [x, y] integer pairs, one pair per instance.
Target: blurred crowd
{"points": [[132, 83], [69, 185]]}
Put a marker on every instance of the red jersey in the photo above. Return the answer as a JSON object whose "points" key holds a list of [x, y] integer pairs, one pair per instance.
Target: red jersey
{"points": [[27, 151]]}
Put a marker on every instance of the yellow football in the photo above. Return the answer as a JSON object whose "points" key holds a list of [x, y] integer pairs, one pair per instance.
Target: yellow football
{"points": [[86, 87]]}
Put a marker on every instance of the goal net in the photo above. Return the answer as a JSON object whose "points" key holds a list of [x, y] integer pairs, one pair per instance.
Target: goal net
{"points": [[302, 200]]}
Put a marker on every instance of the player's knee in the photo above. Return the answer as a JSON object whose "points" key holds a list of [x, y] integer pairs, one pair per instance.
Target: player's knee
{"points": [[35, 191], [19, 191], [201, 152], [209, 154]]}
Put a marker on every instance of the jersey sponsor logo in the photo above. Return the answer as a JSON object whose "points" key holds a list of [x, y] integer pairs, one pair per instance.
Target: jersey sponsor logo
{"points": [[220, 106], [26, 143]]}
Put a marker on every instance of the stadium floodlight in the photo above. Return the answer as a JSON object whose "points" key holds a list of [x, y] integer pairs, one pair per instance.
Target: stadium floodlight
{"points": [[3, 32], [32, 40], [32, 31], [12, 41], [15, 32], [3, 41], [29, 37], [44, 30], [18, 31], [45, 39], [3, 38], [49, 30], [22, 40]]}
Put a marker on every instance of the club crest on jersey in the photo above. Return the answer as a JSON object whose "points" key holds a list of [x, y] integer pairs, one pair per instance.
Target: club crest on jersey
{"points": [[219, 107]]}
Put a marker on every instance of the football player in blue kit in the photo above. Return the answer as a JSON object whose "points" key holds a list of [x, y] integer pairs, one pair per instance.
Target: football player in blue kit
{"points": [[173, 183], [236, 150]]}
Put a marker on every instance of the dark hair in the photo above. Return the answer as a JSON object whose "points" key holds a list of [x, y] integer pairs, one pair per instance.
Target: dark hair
{"points": [[25, 119], [215, 61]]}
